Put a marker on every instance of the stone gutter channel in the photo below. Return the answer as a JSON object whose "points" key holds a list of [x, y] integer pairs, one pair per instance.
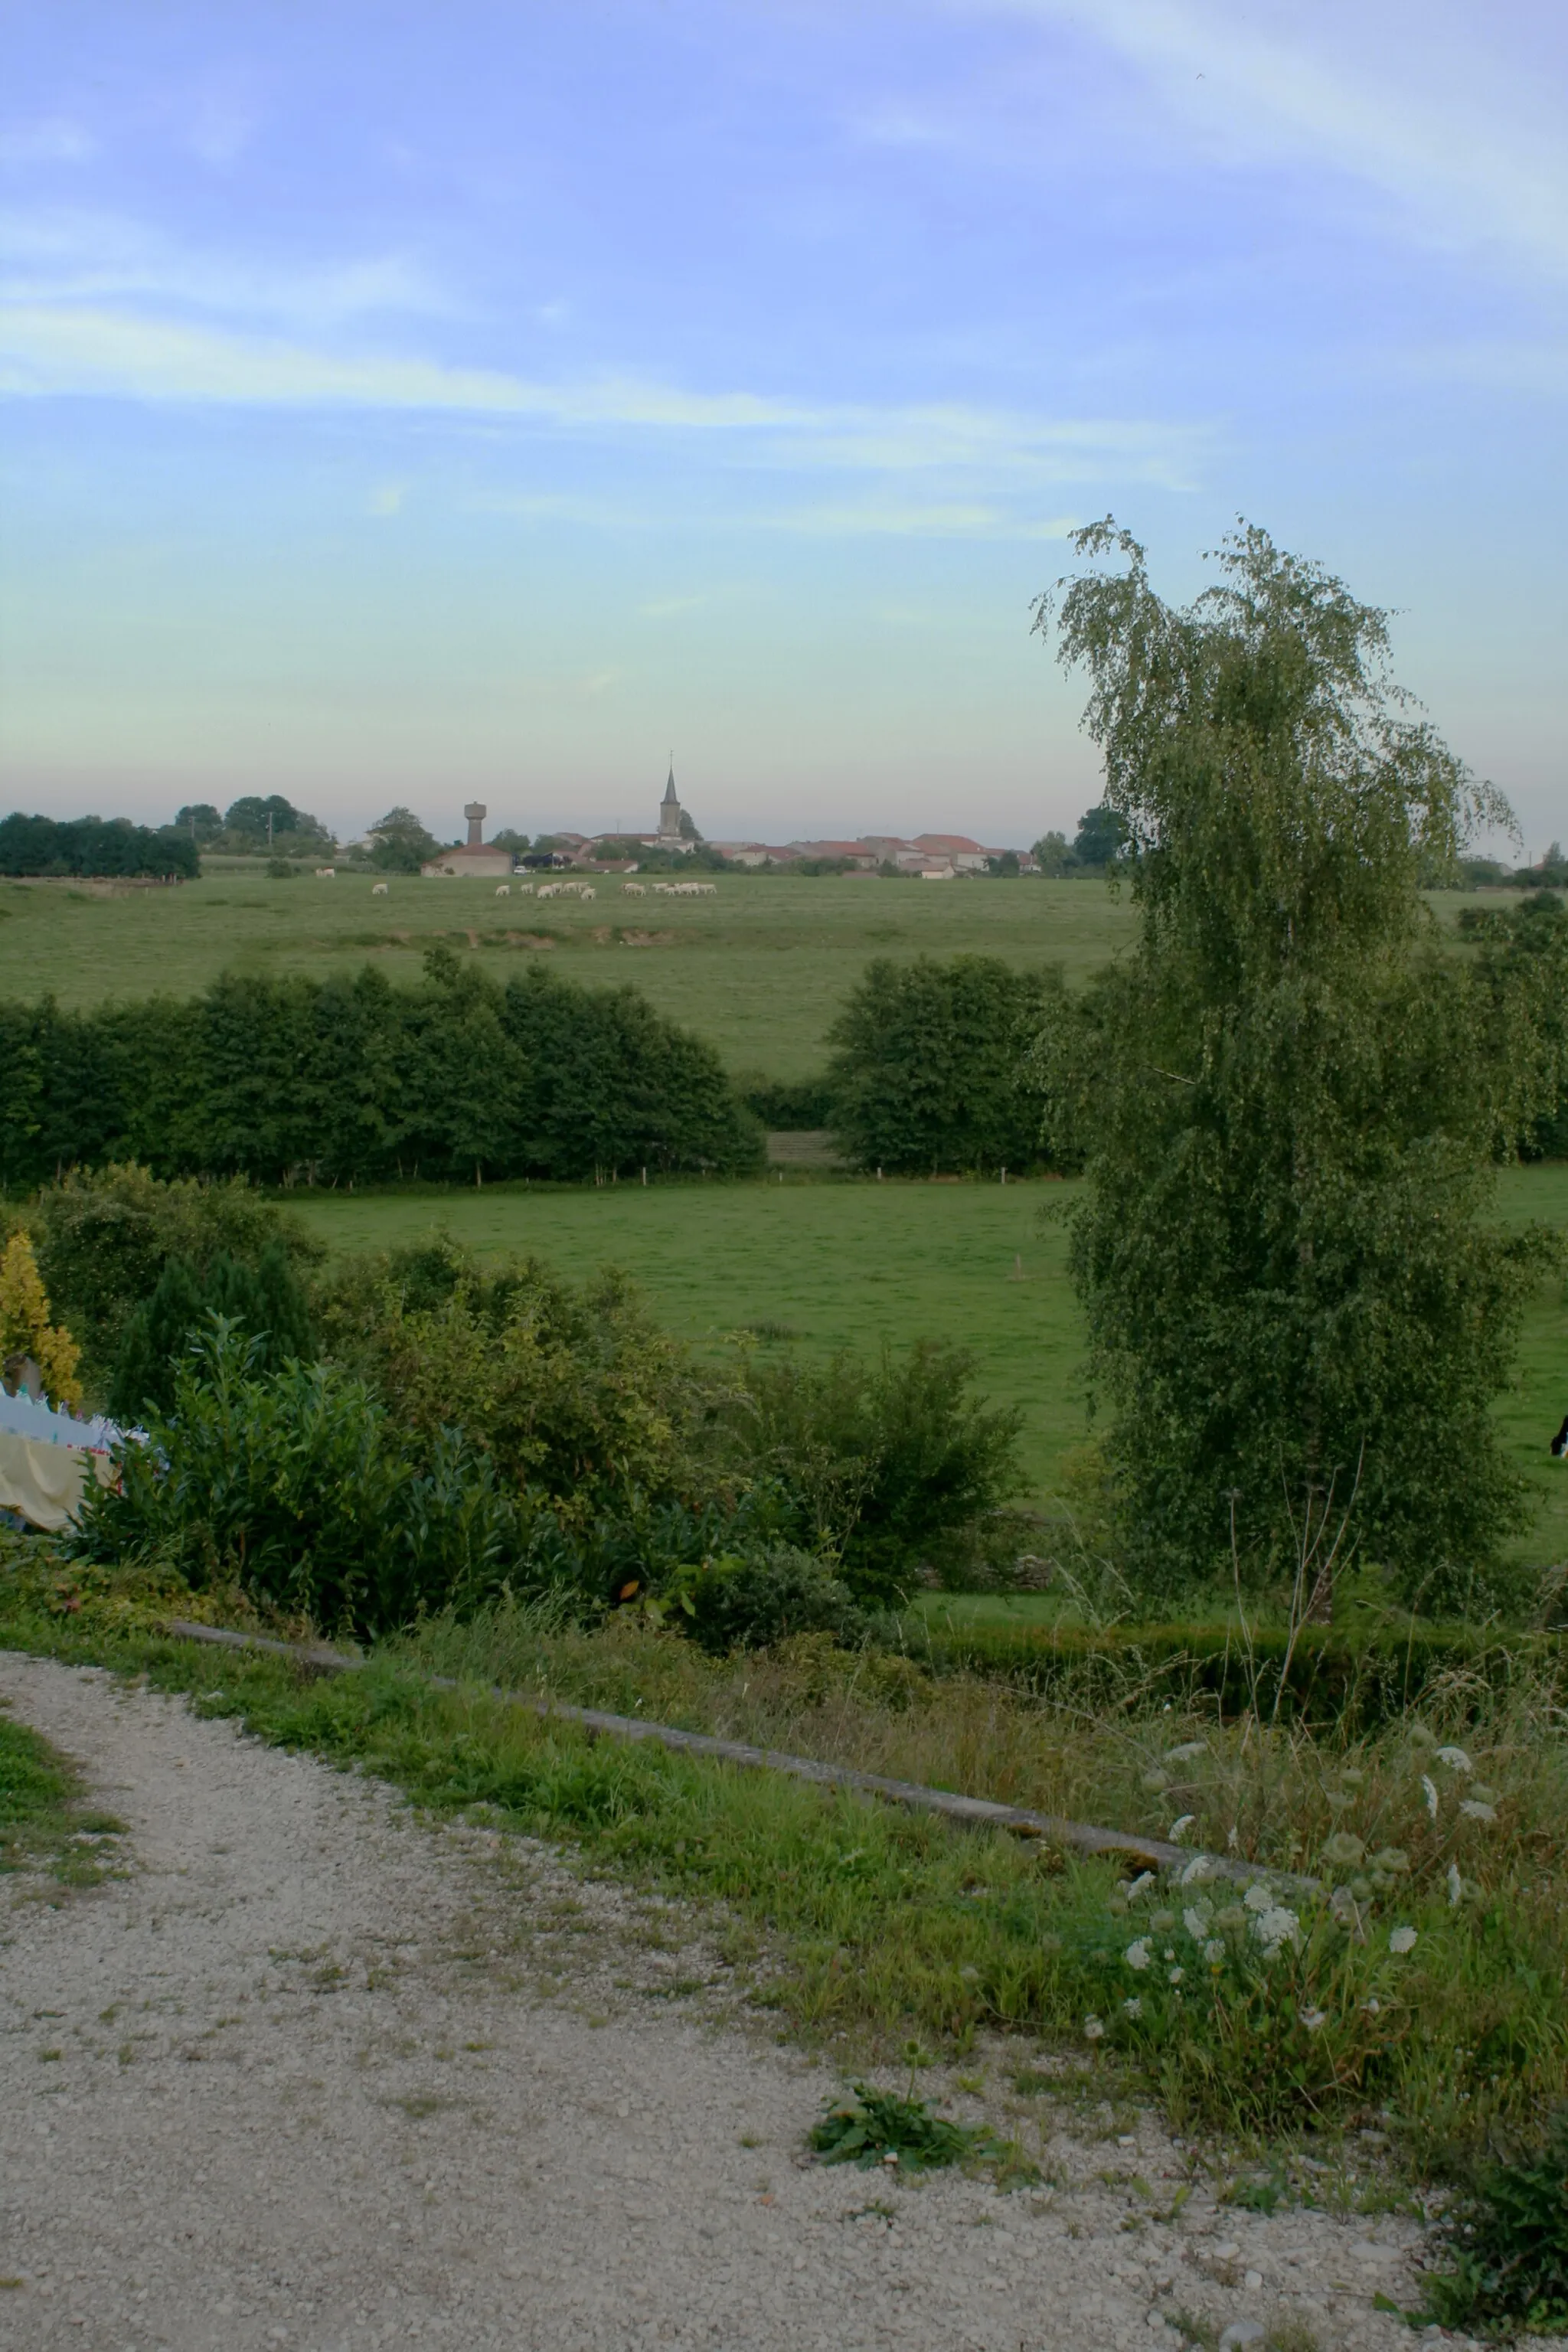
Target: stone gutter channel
{"points": [[971, 1812]]}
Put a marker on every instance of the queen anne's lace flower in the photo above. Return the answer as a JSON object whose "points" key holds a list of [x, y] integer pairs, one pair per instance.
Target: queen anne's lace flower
{"points": [[1214, 1951], [1312, 2017], [1274, 1927], [1456, 1884], [1093, 2029], [1429, 1791], [1402, 1940], [1195, 1920], [1133, 2007], [1456, 1760], [1138, 1954], [1475, 1809], [1174, 1976]]}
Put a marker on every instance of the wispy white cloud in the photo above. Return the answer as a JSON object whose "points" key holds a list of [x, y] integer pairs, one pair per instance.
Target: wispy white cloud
{"points": [[69, 255], [54, 350], [954, 519], [1425, 103]]}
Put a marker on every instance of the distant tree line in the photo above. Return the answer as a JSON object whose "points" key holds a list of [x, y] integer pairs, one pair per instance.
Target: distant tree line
{"points": [[349, 1079], [1099, 843], [94, 846]]}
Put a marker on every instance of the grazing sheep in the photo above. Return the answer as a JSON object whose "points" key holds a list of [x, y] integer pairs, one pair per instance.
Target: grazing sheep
{"points": [[503, 889], [525, 889], [634, 889], [325, 873], [378, 889], [588, 894], [549, 889]]}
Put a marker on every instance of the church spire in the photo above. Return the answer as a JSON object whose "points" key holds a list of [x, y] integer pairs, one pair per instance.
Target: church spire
{"points": [[670, 801]]}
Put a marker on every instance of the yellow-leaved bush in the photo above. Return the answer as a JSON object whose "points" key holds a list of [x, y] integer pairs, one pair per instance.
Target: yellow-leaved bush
{"points": [[25, 1326]]}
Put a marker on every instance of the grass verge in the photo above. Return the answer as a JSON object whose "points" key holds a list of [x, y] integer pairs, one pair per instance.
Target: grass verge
{"points": [[46, 1829], [1427, 1999]]}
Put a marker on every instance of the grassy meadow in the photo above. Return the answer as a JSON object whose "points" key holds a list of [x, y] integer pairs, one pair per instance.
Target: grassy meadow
{"points": [[850, 1264], [760, 970]]}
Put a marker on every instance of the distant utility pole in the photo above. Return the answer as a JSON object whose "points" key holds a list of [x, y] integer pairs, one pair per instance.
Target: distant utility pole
{"points": [[269, 832]]}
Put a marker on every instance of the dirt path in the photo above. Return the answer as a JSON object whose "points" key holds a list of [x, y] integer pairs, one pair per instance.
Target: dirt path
{"points": [[314, 2074]]}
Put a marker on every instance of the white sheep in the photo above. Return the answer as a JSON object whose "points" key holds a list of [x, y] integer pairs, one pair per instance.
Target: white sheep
{"points": [[378, 889], [588, 894], [325, 873], [525, 889], [634, 889], [503, 889], [549, 889]]}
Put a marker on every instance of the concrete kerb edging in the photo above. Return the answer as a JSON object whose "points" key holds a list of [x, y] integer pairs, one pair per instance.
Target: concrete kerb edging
{"points": [[972, 1812]]}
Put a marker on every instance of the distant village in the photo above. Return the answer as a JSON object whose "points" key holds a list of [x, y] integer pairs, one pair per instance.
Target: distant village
{"points": [[930, 857]]}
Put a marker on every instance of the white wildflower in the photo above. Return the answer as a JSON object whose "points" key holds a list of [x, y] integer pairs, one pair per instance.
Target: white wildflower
{"points": [[1312, 2017], [1456, 1884], [1133, 2007], [1144, 1878], [1200, 1867], [1195, 1920], [1183, 1822], [1402, 1940], [1456, 1760], [1138, 1954], [1275, 1927], [1187, 1752], [1214, 1951], [1371, 2005], [1174, 1976], [1168, 1954], [1257, 1897], [1429, 1791], [1093, 2029], [1474, 1810]]}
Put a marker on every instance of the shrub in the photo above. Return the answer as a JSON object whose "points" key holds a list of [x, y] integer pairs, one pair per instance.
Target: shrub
{"points": [[575, 1393], [888, 1466], [930, 1071], [103, 1241], [25, 1327], [266, 1300], [297, 1487], [749, 1603]]}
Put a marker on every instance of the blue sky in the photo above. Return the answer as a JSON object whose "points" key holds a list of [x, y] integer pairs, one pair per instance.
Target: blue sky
{"points": [[402, 402]]}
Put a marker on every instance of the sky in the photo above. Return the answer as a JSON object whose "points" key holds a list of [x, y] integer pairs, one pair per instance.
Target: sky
{"points": [[404, 404]]}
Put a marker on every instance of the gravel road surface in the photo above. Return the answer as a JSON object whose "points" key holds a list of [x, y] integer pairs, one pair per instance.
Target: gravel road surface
{"points": [[312, 2072]]}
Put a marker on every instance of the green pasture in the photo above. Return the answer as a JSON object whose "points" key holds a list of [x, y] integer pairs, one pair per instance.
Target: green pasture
{"points": [[850, 1265], [760, 970]]}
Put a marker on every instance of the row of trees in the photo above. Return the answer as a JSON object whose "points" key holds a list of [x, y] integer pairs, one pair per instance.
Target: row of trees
{"points": [[351, 1079], [90, 847]]}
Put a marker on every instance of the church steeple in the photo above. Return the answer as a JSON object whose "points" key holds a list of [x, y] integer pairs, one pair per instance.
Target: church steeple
{"points": [[670, 809]]}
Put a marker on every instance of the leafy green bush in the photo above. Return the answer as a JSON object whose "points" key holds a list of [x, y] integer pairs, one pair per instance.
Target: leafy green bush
{"points": [[738, 1602], [574, 1392], [890, 1466], [103, 1240], [299, 1487], [930, 1069], [1510, 2242], [266, 1300]]}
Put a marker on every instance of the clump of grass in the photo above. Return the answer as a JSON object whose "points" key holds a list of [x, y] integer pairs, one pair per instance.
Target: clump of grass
{"points": [[875, 2126], [44, 1826]]}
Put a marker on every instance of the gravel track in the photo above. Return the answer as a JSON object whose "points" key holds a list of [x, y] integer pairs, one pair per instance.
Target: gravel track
{"points": [[311, 2073]]}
